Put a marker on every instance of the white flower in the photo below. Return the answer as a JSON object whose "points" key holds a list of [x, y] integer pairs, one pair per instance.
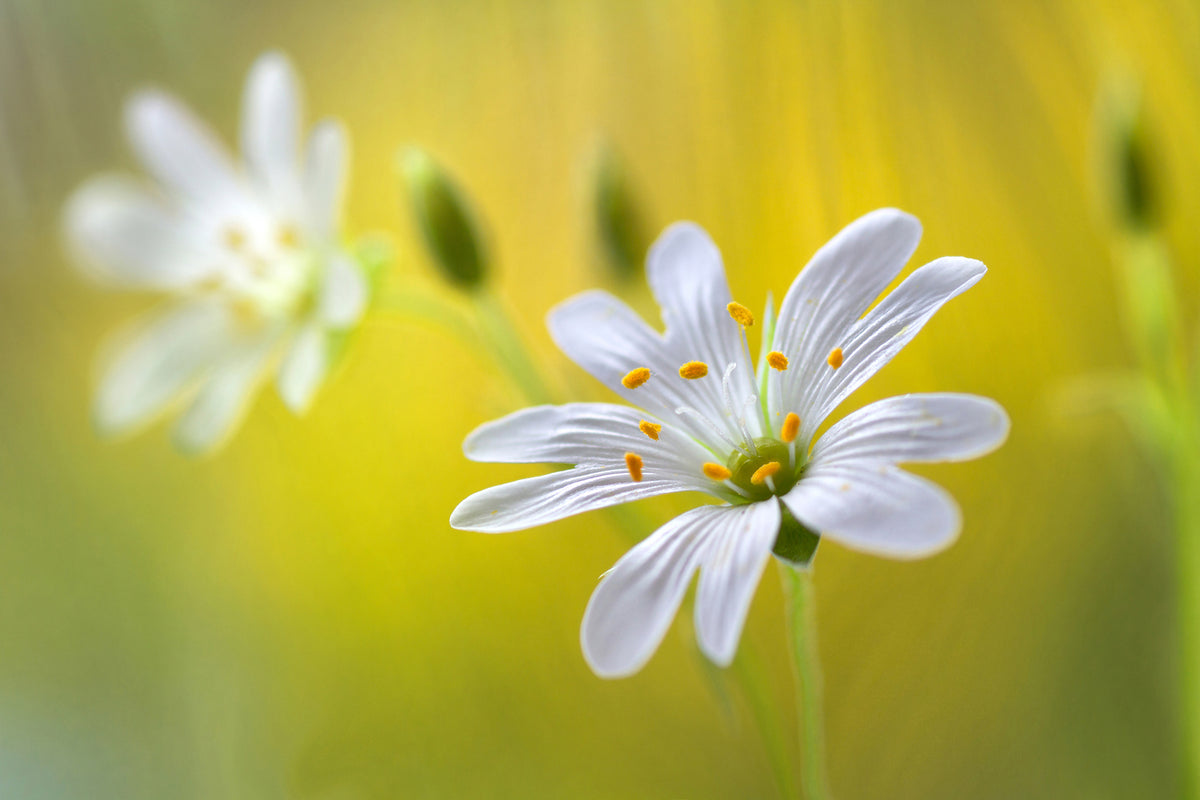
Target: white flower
{"points": [[708, 424], [249, 255]]}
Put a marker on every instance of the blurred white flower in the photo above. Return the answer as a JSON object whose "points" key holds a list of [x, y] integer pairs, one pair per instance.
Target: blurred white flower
{"points": [[249, 255], [712, 424]]}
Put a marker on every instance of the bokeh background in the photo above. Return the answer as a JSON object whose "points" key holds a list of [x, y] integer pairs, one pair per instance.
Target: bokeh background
{"points": [[293, 617]]}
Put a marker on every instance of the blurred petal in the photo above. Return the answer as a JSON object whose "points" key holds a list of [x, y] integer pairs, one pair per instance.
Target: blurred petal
{"points": [[536, 501], [157, 360], [343, 297], [224, 398], [181, 152], [831, 293], [732, 566], [271, 128], [636, 600], [120, 232], [303, 369], [880, 335], [325, 178], [584, 433], [876, 509], [916, 427]]}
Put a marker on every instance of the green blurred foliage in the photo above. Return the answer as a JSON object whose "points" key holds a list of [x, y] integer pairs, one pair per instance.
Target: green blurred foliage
{"points": [[293, 617]]}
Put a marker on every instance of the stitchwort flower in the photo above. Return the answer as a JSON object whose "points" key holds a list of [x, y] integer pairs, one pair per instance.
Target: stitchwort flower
{"points": [[248, 255], [702, 419]]}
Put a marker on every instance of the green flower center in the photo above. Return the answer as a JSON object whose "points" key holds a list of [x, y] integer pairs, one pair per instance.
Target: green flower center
{"points": [[773, 470]]}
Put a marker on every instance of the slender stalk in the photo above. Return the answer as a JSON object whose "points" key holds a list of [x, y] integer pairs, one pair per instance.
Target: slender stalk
{"points": [[1187, 531], [802, 638], [747, 668], [501, 334]]}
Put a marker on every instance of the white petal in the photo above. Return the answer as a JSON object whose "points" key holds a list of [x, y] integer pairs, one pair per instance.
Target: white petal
{"points": [[876, 508], [732, 566], [880, 335], [916, 427], [343, 297], [224, 397], [831, 293], [181, 152], [325, 178], [303, 369], [687, 277], [608, 339], [271, 129], [536, 501], [585, 433], [152, 363], [120, 232], [636, 600]]}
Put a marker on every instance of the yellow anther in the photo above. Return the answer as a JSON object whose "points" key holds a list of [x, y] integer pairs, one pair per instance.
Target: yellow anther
{"points": [[777, 360], [633, 463], [765, 471], [693, 370], [835, 357], [635, 378], [288, 237], [650, 429], [235, 238], [741, 315], [791, 427], [716, 472]]}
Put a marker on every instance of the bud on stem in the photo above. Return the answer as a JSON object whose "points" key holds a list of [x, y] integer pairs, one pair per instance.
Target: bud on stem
{"points": [[444, 219]]}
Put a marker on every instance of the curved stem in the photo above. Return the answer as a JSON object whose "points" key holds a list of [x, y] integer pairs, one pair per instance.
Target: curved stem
{"points": [[501, 335], [747, 668], [802, 638]]}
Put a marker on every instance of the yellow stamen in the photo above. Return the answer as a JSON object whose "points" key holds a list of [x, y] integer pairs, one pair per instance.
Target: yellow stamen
{"points": [[650, 429], [633, 463], [835, 357], [288, 237], [716, 472], [235, 238], [777, 360], [741, 315], [693, 370], [635, 378], [765, 471], [791, 427]]}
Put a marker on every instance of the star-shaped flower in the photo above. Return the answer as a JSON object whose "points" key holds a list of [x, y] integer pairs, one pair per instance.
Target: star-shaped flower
{"points": [[710, 423], [249, 254]]}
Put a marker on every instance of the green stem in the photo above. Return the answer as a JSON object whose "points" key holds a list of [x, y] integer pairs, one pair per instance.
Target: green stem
{"points": [[501, 334], [1187, 525], [802, 638], [747, 668]]}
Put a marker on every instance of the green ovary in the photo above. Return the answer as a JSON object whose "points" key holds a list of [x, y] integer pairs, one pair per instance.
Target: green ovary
{"points": [[743, 468]]}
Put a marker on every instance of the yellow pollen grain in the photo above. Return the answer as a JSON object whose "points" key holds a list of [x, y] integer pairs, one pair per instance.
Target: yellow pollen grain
{"points": [[287, 237], [765, 471], [633, 463], [741, 315], [777, 360], [635, 378], [716, 472], [235, 238], [650, 429], [835, 357], [693, 370], [791, 427]]}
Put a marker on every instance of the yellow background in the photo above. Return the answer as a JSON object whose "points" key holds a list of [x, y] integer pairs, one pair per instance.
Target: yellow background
{"points": [[293, 617]]}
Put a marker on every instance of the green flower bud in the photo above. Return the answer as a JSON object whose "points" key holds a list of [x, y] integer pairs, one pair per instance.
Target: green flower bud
{"points": [[1125, 158], [445, 220], [620, 232]]}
